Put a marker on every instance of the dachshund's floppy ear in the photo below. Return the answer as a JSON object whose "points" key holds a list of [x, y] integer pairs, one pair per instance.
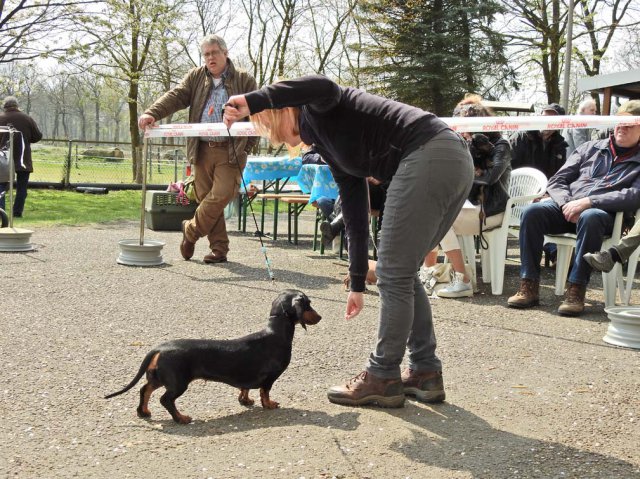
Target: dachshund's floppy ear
{"points": [[298, 306]]}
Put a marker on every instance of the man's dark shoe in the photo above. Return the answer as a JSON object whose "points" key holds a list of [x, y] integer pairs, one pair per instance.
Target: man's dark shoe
{"points": [[527, 296], [600, 261], [366, 388], [426, 386], [186, 247], [573, 304], [214, 257]]}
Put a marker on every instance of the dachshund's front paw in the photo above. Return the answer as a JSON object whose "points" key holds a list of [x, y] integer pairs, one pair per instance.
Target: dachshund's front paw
{"points": [[244, 398], [182, 419], [269, 404], [265, 401]]}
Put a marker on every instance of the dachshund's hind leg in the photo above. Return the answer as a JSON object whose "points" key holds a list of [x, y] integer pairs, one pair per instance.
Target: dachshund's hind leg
{"points": [[264, 399], [244, 398], [168, 400], [153, 383], [145, 395]]}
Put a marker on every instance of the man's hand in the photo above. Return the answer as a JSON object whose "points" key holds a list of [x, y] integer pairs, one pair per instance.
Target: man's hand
{"points": [[145, 120], [355, 303], [573, 209], [235, 109]]}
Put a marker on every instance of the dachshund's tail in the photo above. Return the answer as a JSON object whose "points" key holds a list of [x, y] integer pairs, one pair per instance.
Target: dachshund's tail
{"points": [[143, 369]]}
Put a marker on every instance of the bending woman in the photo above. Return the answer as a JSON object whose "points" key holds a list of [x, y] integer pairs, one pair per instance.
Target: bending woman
{"points": [[430, 172]]}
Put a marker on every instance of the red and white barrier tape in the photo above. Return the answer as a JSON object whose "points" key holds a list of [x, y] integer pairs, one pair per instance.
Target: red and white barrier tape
{"points": [[459, 124]]}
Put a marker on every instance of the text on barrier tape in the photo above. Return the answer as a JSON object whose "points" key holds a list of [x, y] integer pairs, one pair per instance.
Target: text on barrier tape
{"points": [[459, 124]]}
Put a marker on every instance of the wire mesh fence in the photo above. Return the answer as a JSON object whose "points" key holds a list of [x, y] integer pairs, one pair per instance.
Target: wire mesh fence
{"points": [[73, 163]]}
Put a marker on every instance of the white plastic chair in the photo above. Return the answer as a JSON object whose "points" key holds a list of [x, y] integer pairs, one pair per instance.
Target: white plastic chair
{"points": [[632, 265], [616, 275], [525, 185], [566, 244]]}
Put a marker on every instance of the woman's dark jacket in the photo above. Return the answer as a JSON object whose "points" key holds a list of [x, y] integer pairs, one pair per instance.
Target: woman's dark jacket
{"points": [[493, 184], [359, 135]]}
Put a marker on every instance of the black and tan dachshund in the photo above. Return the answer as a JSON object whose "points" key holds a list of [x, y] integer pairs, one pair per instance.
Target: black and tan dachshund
{"points": [[250, 362]]}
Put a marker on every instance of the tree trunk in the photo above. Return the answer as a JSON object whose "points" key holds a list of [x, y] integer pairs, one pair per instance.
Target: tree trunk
{"points": [[97, 119]]}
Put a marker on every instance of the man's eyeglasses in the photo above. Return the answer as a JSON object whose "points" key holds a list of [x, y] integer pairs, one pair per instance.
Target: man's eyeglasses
{"points": [[212, 53]]}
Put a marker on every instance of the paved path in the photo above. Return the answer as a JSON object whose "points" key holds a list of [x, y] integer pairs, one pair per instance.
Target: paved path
{"points": [[529, 393]]}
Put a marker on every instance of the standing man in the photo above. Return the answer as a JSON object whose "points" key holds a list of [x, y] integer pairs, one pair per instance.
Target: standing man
{"points": [[218, 161], [29, 133]]}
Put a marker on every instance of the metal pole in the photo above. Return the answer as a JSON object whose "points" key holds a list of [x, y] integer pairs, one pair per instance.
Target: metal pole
{"points": [[12, 174], [567, 57], [145, 154], [66, 181]]}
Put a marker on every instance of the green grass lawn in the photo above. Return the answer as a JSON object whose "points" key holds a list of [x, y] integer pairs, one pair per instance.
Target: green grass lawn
{"points": [[53, 207]]}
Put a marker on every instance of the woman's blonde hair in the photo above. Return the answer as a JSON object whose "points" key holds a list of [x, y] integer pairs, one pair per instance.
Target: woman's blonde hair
{"points": [[471, 105], [277, 124]]}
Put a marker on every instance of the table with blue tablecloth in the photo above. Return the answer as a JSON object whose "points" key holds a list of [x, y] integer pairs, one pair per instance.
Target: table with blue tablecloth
{"points": [[274, 172], [271, 168], [317, 181]]}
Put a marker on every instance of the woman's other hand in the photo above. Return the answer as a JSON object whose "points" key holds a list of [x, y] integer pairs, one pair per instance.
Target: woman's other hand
{"points": [[355, 303], [235, 109]]}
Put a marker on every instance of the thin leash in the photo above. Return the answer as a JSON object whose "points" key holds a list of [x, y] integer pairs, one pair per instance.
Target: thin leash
{"points": [[263, 248]]}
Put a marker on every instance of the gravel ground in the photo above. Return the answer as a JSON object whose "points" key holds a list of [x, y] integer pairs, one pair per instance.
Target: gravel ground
{"points": [[529, 393]]}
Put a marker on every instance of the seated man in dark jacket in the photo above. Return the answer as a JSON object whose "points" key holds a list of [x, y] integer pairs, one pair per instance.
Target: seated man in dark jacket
{"points": [[545, 150], [599, 179]]}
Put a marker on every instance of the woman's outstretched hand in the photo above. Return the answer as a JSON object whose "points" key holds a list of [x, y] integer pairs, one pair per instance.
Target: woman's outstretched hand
{"points": [[355, 303], [235, 109]]}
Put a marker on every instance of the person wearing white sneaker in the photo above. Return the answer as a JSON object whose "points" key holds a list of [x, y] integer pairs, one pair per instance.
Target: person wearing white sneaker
{"points": [[492, 162], [458, 288]]}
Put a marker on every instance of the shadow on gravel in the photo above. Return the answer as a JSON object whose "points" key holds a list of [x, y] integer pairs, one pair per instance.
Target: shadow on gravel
{"points": [[257, 418], [243, 273], [450, 437]]}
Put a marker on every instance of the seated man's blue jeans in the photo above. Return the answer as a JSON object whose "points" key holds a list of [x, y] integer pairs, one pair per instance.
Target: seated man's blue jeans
{"points": [[546, 217], [325, 205]]}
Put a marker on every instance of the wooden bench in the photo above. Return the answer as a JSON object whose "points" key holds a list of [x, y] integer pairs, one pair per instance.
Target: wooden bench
{"points": [[295, 205], [263, 197]]}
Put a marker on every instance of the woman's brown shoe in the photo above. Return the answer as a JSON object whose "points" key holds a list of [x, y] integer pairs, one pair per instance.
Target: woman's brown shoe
{"points": [[366, 388], [426, 386]]}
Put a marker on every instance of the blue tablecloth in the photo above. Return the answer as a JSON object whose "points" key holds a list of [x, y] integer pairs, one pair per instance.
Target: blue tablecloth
{"points": [[317, 181], [271, 168]]}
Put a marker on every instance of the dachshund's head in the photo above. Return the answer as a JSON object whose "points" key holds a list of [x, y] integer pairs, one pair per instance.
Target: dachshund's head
{"points": [[296, 306]]}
